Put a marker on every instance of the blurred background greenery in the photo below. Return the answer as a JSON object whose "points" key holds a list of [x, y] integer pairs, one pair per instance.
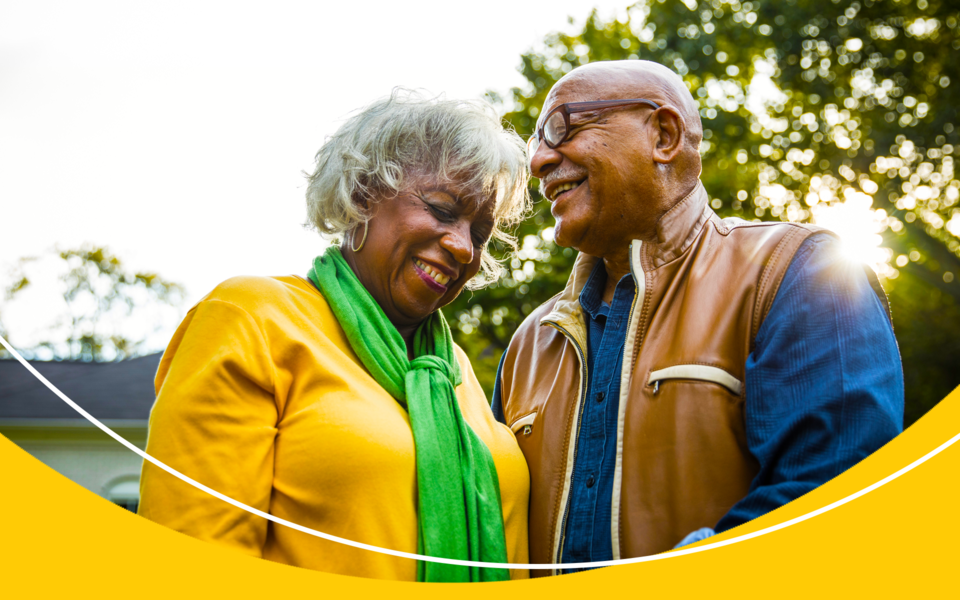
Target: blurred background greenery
{"points": [[835, 112], [108, 311]]}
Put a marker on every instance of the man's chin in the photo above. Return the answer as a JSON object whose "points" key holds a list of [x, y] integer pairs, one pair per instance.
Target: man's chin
{"points": [[566, 236]]}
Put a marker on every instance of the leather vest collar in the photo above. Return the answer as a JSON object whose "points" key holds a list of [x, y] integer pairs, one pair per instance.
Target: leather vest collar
{"points": [[679, 227]]}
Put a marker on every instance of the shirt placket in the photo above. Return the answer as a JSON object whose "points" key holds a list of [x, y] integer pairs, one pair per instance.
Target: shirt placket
{"points": [[588, 540]]}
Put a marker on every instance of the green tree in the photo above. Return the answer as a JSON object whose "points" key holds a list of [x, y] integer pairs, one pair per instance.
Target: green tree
{"points": [[807, 106], [108, 311]]}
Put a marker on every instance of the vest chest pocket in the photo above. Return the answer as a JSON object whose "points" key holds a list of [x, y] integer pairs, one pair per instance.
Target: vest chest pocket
{"points": [[524, 425], [695, 373]]}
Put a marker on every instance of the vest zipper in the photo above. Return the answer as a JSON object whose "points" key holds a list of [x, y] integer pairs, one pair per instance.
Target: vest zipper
{"points": [[583, 395], [626, 372], [642, 295]]}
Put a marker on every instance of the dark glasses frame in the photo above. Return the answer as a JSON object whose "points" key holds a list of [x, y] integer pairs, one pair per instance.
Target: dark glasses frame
{"points": [[575, 107]]}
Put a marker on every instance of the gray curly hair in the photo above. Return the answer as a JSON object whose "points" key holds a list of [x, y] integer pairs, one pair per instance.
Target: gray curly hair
{"points": [[406, 134]]}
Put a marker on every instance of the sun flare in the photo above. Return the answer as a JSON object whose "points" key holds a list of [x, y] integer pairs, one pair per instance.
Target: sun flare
{"points": [[859, 226]]}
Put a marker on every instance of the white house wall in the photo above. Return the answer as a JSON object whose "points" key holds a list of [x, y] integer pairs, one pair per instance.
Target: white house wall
{"points": [[83, 455]]}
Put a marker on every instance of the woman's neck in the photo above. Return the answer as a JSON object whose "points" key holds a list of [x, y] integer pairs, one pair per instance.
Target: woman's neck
{"points": [[407, 333]]}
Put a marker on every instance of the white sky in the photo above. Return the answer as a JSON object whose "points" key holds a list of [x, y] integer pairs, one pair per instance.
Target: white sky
{"points": [[175, 133]]}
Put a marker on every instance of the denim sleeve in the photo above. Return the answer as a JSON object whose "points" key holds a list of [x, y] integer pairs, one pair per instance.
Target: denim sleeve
{"points": [[496, 403], [824, 384]]}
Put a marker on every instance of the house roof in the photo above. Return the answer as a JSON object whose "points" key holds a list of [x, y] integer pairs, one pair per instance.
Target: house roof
{"points": [[109, 391]]}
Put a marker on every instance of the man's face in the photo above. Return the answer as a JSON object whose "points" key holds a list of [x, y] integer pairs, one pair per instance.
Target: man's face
{"points": [[597, 178]]}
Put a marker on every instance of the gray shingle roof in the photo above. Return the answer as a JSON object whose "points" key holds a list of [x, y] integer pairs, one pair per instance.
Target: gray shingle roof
{"points": [[118, 390]]}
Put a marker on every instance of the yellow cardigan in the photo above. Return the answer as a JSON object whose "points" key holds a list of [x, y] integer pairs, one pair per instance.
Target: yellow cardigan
{"points": [[260, 397]]}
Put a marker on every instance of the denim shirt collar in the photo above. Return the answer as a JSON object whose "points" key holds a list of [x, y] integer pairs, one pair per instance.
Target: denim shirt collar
{"points": [[591, 297]]}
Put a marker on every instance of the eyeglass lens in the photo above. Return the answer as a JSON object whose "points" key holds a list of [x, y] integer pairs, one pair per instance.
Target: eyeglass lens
{"points": [[555, 129], [532, 144], [554, 132]]}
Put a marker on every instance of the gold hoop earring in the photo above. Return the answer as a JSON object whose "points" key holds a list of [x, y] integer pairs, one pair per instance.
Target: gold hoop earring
{"points": [[366, 227]]}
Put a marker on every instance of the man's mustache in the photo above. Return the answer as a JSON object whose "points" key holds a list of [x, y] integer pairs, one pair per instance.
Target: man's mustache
{"points": [[566, 174]]}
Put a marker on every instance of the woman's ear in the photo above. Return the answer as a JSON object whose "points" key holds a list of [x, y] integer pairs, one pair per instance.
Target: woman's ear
{"points": [[361, 201], [672, 132]]}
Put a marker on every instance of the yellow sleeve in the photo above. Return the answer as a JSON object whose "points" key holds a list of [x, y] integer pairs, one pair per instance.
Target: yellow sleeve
{"points": [[215, 421]]}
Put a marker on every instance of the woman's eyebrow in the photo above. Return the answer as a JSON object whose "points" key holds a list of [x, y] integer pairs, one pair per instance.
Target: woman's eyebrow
{"points": [[446, 192]]}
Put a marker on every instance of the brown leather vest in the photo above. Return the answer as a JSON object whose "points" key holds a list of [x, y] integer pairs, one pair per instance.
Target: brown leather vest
{"points": [[703, 290]]}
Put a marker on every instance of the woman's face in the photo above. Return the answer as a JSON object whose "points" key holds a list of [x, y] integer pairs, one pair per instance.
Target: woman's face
{"points": [[422, 247]]}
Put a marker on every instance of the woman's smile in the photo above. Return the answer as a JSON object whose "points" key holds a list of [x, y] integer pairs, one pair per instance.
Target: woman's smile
{"points": [[434, 279]]}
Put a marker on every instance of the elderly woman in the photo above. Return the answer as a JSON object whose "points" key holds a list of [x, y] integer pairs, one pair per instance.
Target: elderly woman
{"points": [[339, 401]]}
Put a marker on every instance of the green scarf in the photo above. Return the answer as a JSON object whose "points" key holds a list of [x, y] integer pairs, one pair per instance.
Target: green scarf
{"points": [[458, 490]]}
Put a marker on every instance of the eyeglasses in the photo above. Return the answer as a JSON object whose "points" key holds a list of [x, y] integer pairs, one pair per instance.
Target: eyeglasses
{"points": [[556, 126]]}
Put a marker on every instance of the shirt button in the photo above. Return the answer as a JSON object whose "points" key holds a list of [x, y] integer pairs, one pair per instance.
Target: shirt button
{"points": [[600, 397], [590, 481]]}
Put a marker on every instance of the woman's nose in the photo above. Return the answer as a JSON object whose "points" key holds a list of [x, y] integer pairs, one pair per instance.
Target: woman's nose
{"points": [[458, 242]]}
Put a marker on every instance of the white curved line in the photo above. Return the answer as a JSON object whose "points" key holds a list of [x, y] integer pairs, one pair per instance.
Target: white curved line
{"points": [[470, 563]]}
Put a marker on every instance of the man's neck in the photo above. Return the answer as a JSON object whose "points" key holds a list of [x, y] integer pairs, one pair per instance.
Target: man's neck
{"points": [[618, 263], [617, 266]]}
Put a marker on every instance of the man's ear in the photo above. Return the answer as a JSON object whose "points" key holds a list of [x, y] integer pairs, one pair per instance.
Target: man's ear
{"points": [[672, 131]]}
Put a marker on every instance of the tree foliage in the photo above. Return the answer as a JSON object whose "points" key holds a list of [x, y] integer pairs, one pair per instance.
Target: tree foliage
{"points": [[808, 107], [108, 311]]}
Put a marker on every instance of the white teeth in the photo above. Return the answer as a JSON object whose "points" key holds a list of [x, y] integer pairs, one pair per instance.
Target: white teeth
{"points": [[563, 187], [436, 275]]}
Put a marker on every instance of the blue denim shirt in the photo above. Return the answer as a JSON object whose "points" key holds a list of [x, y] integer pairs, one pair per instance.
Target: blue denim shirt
{"points": [[824, 389], [591, 488]]}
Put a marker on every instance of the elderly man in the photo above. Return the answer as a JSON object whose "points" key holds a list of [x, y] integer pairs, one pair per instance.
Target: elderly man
{"points": [[696, 372]]}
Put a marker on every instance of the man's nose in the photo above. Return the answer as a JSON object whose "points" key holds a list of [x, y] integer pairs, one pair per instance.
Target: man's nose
{"points": [[544, 160], [458, 242]]}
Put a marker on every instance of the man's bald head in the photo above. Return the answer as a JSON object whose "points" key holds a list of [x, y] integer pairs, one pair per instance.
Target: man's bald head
{"points": [[616, 171], [619, 79]]}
